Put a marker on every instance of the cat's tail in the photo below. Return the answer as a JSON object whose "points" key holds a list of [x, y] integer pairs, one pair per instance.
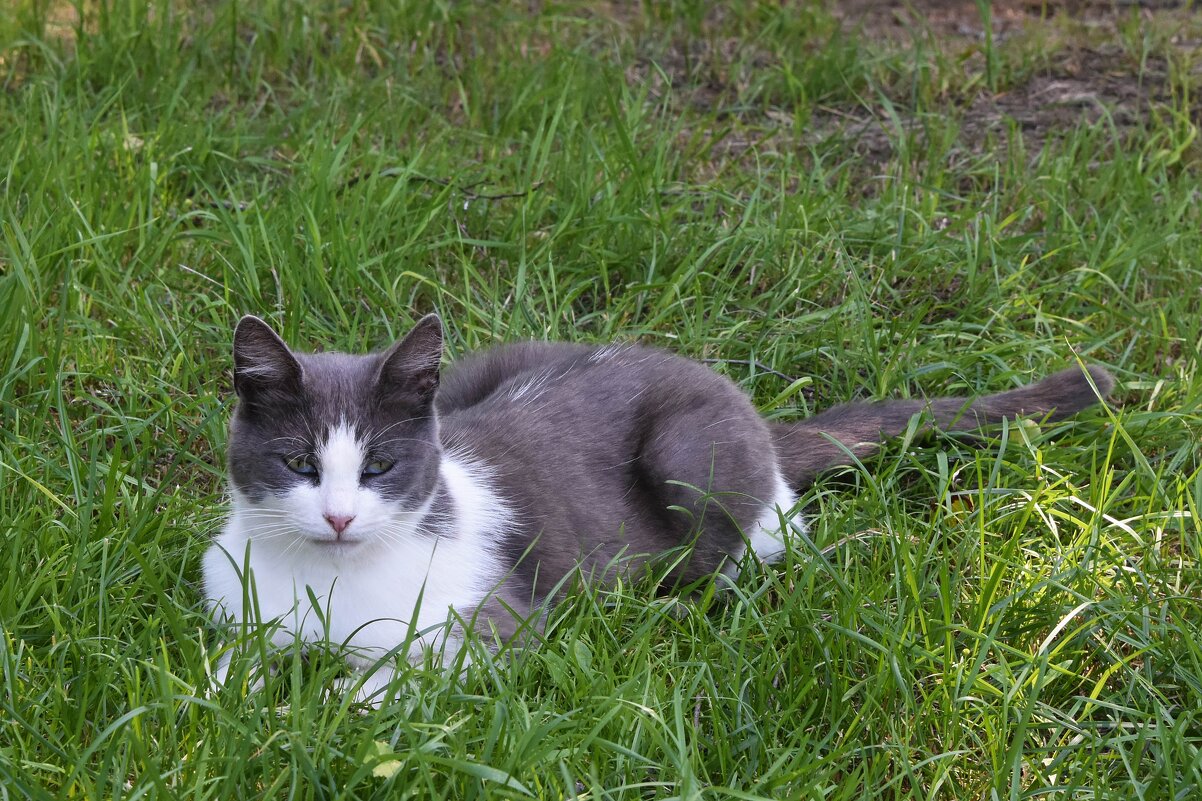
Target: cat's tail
{"points": [[845, 433]]}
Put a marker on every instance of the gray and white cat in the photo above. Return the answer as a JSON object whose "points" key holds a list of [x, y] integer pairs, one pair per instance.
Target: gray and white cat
{"points": [[373, 497]]}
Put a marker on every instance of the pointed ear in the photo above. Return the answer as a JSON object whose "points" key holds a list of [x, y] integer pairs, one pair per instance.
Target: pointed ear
{"points": [[409, 370], [264, 369]]}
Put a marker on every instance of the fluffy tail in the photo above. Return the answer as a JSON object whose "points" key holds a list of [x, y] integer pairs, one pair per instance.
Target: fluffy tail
{"points": [[832, 438]]}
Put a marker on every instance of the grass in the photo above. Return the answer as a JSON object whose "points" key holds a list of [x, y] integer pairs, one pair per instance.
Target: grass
{"points": [[1011, 621]]}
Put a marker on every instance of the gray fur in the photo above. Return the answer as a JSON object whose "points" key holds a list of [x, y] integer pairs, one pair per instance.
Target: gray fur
{"points": [[613, 459], [608, 456]]}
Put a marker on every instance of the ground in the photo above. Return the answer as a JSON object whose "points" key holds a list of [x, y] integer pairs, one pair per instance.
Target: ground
{"points": [[1075, 62], [1036, 68]]}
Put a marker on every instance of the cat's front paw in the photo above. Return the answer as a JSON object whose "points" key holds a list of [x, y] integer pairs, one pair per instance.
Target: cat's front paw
{"points": [[219, 677], [370, 690]]}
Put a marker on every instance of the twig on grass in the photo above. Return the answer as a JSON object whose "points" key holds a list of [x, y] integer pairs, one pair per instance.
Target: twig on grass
{"points": [[763, 368]]}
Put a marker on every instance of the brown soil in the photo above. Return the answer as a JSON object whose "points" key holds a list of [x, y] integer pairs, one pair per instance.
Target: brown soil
{"points": [[879, 20], [1089, 73]]}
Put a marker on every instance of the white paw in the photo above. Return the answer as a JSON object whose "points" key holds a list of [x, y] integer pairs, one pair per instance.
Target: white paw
{"points": [[367, 689], [220, 676]]}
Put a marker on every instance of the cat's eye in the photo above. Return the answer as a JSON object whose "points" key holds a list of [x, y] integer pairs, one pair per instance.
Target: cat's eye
{"points": [[377, 466], [301, 465]]}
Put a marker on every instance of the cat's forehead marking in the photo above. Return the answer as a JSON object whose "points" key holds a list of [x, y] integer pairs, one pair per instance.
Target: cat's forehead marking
{"points": [[341, 457], [341, 454]]}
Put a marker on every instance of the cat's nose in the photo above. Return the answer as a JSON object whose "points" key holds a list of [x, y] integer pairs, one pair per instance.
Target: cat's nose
{"points": [[339, 522]]}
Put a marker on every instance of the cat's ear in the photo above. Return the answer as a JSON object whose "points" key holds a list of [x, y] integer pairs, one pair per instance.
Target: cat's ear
{"points": [[264, 369], [409, 371]]}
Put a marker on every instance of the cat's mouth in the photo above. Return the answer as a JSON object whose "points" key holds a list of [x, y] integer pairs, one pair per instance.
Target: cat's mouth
{"points": [[342, 543]]}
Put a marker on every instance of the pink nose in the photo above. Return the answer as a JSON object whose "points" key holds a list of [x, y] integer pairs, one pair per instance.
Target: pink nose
{"points": [[339, 522]]}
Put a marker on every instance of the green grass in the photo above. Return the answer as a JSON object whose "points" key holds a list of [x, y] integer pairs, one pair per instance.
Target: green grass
{"points": [[1011, 621]]}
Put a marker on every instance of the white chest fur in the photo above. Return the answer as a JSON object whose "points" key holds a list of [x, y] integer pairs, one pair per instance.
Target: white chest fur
{"points": [[367, 598]]}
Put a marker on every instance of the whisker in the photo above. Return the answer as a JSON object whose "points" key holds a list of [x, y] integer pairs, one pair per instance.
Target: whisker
{"points": [[375, 435], [428, 443]]}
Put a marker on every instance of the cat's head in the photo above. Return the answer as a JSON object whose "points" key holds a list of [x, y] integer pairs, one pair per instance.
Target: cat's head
{"points": [[331, 450]]}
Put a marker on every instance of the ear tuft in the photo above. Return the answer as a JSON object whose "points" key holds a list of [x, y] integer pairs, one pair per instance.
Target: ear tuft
{"points": [[264, 368], [409, 370]]}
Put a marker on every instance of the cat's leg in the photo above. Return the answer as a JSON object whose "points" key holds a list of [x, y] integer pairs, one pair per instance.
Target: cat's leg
{"points": [[367, 688], [249, 651], [713, 474], [221, 671], [221, 674], [778, 521]]}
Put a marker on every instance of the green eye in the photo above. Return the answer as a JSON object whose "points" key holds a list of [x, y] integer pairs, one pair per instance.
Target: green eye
{"points": [[301, 465], [377, 466]]}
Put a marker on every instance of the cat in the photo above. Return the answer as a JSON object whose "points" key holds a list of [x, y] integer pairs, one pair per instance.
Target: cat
{"points": [[375, 498]]}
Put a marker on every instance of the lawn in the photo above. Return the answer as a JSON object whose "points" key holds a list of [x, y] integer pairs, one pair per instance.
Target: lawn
{"points": [[829, 201]]}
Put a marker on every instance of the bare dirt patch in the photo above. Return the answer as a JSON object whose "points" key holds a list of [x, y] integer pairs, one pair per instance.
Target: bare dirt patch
{"points": [[1084, 87], [1091, 66], [962, 18], [1027, 72]]}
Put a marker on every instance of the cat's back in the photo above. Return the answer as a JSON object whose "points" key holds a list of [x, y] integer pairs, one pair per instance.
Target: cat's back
{"points": [[559, 378], [480, 376], [584, 410]]}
